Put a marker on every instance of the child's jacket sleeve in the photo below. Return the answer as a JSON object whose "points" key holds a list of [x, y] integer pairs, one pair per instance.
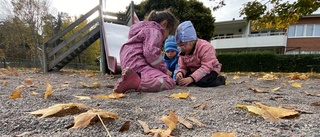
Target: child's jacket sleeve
{"points": [[208, 60]]}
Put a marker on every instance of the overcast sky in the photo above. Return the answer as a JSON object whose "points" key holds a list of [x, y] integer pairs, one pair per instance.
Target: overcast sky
{"points": [[78, 7]]}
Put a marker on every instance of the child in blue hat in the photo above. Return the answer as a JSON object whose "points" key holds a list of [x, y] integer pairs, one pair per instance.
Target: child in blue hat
{"points": [[171, 55]]}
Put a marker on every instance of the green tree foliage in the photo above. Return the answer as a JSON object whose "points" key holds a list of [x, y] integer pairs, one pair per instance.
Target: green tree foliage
{"points": [[31, 12], [281, 15], [192, 10], [15, 39]]}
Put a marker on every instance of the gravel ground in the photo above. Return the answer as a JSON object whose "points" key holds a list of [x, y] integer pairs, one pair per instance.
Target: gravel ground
{"points": [[219, 115]]}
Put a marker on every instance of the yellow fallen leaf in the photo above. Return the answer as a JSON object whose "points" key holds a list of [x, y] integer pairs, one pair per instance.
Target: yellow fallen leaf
{"points": [[28, 82], [83, 97], [15, 94], [252, 109], [268, 116], [268, 77], [84, 119], [236, 77], [55, 109], [223, 134], [275, 89], [114, 95], [297, 85], [183, 95], [94, 85], [278, 112], [48, 91], [171, 121], [144, 126], [34, 93], [5, 83], [185, 122], [196, 121], [90, 74], [257, 90]]}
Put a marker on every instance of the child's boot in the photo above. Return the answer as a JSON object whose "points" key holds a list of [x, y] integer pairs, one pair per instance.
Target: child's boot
{"points": [[129, 80]]}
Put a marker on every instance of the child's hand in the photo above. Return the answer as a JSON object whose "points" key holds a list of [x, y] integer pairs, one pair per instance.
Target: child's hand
{"points": [[169, 73], [179, 76], [185, 81]]}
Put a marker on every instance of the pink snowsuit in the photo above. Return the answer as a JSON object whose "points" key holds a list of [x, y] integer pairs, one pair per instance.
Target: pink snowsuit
{"points": [[201, 62], [142, 53]]}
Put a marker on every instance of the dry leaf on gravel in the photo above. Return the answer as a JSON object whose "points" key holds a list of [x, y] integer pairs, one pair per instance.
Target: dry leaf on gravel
{"points": [[196, 121], [185, 122], [28, 81], [55, 109], [145, 126], [181, 95], [125, 126], [15, 94], [83, 97], [255, 90], [48, 91], [84, 119], [114, 95], [297, 85], [94, 85], [268, 77], [223, 134], [171, 121]]}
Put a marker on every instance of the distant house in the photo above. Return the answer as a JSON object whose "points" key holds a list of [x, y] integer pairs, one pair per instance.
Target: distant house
{"points": [[237, 36]]}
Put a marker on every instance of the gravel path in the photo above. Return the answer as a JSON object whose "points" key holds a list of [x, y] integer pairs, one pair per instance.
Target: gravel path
{"points": [[219, 115]]}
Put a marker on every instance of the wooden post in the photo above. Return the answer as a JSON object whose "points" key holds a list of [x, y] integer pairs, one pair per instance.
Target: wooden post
{"points": [[102, 48], [45, 58]]}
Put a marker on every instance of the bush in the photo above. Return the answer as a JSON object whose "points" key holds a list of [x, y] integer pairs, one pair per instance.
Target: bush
{"points": [[268, 62]]}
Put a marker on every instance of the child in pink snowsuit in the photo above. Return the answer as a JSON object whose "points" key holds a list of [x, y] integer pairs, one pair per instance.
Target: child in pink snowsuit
{"points": [[197, 60], [140, 57]]}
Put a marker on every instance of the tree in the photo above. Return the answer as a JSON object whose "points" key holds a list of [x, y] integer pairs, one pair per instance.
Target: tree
{"points": [[31, 12], [280, 16], [184, 10]]}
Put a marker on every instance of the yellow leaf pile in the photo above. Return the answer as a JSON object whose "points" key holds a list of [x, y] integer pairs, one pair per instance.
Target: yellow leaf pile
{"points": [[268, 113]]}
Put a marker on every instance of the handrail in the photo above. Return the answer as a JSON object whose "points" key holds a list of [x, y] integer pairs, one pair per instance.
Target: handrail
{"points": [[75, 35], [71, 26], [250, 35]]}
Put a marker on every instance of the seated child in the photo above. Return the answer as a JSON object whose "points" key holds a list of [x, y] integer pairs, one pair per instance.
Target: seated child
{"points": [[171, 55], [197, 61], [143, 68]]}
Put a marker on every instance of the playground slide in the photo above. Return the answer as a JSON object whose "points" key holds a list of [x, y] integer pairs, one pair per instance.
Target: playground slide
{"points": [[115, 36]]}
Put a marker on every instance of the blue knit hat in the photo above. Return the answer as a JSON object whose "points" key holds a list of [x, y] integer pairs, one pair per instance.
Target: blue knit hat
{"points": [[186, 32], [170, 44]]}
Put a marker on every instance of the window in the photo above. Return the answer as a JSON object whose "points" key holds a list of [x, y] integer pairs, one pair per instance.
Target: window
{"points": [[309, 31], [299, 31], [317, 30], [292, 30], [306, 30]]}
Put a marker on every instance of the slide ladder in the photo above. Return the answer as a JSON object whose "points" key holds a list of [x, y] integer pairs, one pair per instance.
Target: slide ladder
{"points": [[112, 31]]}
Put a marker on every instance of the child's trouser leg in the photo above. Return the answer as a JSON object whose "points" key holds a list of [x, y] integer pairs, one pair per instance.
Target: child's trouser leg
{"points": [[154, 80], [211, 80]]}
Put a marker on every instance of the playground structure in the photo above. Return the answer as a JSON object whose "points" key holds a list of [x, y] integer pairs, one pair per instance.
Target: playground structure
{"points": [[113, 32]]}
